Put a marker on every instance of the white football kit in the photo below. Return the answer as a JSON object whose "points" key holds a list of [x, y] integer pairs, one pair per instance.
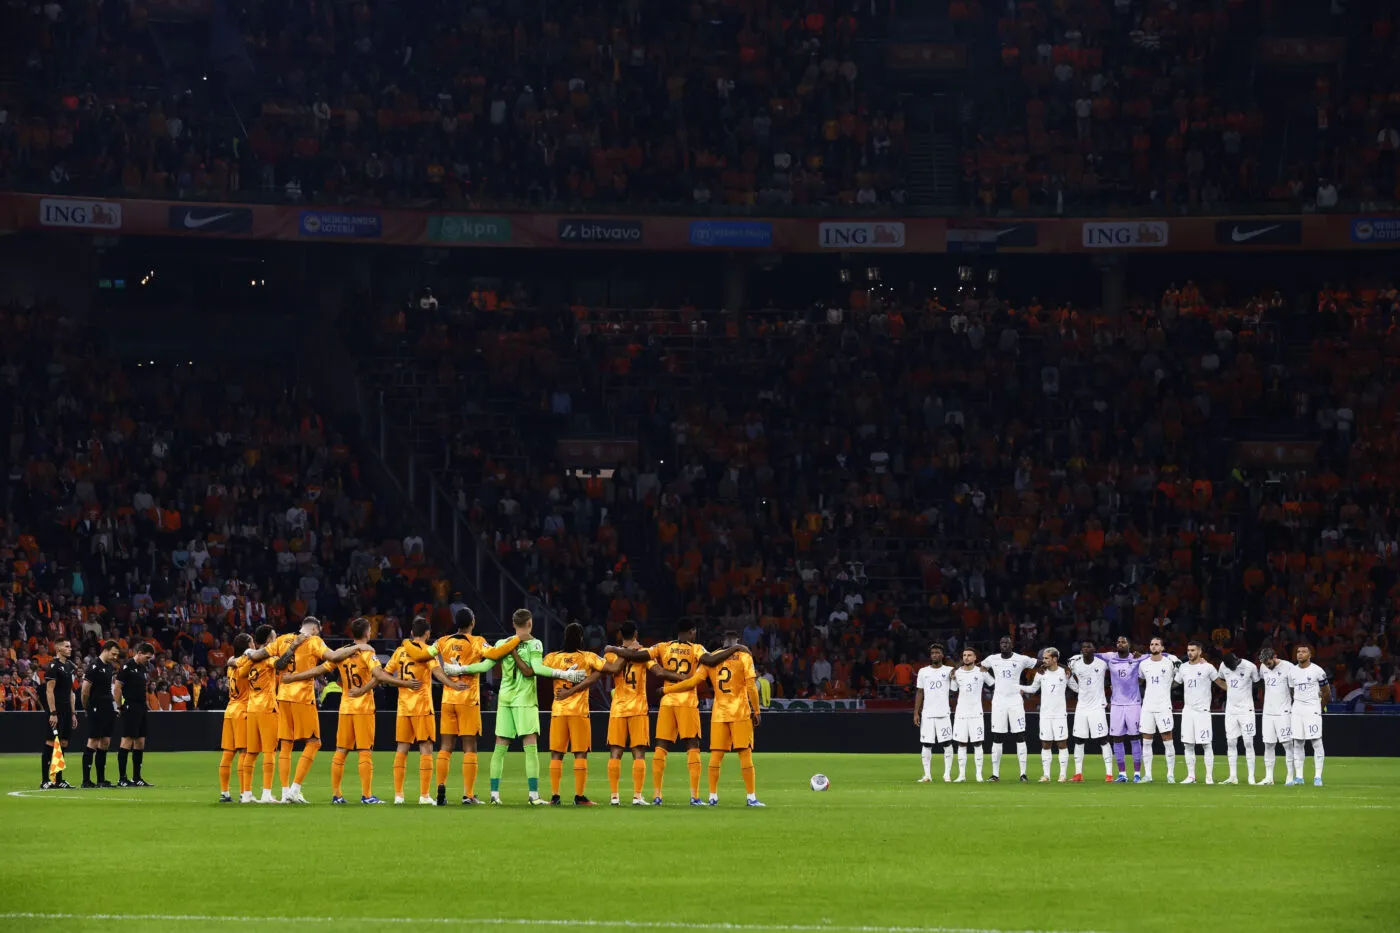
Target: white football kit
{"points": [[1239, 701], [968, 724], [1196, 682], [1157, 676], [1090, 716], [1307, 701], [1054, 722], [936, 722], [1008, 709], [1278, 703]]}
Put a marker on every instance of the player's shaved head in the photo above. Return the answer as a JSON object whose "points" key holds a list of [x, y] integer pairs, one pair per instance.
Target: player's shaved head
{"points": [[420, 627], [242, 642], [573, 637], [936, 652], [1005, 645], [311, 625], [1087, 647], [465, 619], [686, 630], [1230, 660], [359, 628], [1303, 653], [522, 619], [261, 635], [730, 638], [628, 629]]}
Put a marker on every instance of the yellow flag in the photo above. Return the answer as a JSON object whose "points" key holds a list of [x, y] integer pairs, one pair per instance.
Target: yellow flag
{"points": [[56, 764]]}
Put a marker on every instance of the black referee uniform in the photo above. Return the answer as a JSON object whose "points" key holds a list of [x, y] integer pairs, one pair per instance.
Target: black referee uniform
{"points": [[60, 674], [133, 719], [101, 718]]}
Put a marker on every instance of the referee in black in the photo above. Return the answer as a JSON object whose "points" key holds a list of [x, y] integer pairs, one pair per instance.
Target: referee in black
{"points": [[58, 697], [101, 713], [131, 701]]}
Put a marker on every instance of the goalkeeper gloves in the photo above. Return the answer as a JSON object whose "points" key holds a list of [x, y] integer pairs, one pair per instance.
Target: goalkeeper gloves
{"points": [[572, 675], [453, 670]]}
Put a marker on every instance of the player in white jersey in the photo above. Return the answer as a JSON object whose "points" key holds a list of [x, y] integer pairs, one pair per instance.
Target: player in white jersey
{"points": [[1008, 709], [1238, 677], [1310, 694], [969, 728], [1157, 672], [1278, 713], [1197, 676], [1051, 683], [1088, 675], [932, 714]]}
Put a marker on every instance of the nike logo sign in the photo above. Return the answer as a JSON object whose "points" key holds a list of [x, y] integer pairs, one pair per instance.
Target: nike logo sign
{"points": [[193, 223], [1239, 237]]}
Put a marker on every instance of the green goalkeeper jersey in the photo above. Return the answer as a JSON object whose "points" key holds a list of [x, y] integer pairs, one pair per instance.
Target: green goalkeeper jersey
{"points": [[516, 688]]}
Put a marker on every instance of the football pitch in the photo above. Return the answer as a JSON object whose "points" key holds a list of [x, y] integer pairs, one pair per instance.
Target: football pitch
{"points": [[876, 853]]}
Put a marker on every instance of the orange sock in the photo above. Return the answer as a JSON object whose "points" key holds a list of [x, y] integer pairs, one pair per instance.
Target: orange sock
{"points": [[337, 771], [580, 776], [614, 775], [716, 765], [692, 762], [245, 773], [425, 774], [366, 773], [284, 763], [400, 768], [469, 773], [746, 768], [269, 768], [658, 769], [308, 755], [639, 775], [225, 770], [444, 761], [556, 776]]}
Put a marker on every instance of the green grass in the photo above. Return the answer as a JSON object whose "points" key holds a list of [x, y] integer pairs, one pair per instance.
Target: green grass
{"points": [[876, 852]]}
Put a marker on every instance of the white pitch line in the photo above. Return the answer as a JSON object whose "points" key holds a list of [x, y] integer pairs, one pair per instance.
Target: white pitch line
{"points": [[523, 922]]}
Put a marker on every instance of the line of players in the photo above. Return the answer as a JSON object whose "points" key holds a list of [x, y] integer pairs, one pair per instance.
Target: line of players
{"points": [[272, 708], [1141, 710]]}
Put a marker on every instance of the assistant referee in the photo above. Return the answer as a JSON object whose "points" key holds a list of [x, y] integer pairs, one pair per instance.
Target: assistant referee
{"points": [[58, 700]]}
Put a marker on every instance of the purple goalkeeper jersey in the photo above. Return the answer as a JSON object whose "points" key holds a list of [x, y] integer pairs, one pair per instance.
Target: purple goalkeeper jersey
{"points": [[1123, 675]]}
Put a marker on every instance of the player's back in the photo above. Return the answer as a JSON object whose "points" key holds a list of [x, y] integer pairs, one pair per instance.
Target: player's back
{"points": [[680, 657], [306, 656], [462, 649], [731, 681], [237, 687], [629, 696], [262, 687], [577, 703], [413, 702], [518, 689], [356, 671]]}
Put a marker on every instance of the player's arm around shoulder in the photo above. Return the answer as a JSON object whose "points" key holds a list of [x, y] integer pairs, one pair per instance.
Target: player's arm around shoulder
{"points": [[1033, 686], [502, 648]]}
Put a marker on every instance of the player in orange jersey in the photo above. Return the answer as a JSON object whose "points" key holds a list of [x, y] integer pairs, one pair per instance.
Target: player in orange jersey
{"points": [[355, 723], [461, 709], [679, 716], [414, 724], [569, 727], [235, 737], [734, 717], [262, 719], [297, 718]]}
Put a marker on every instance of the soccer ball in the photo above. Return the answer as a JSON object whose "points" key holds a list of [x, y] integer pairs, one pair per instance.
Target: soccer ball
{"points": [[820, 782]]}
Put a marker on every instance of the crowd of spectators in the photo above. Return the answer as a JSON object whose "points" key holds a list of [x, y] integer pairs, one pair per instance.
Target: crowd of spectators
{"points": [[985, 468], [178, 504], [478, 104]]}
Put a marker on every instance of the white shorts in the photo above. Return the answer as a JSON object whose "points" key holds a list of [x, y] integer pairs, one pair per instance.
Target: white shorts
{"points": [[1090, 724], [1008, 717], [969, 731], [1197, 728], [935, 731], [1278, 727], [1307, 725], [1053, 729], [1239, 726], [1155, 723]]}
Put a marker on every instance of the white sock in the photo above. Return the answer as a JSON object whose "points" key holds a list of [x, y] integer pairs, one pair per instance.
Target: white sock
{"points": [[926, 754], [947, 762], [978, 760], [1146, 760], [1190, 752], [1021, 756], [1300, 755], [1269, 762], [1045, 761], [296, 787], [1249, 761], [1079, 758], [962, 761], [1288, 759], [1210, 762], [1064, 763], [1170, 751], [996, 760], [1319, 756], [1232, 755], [1107, 758]]}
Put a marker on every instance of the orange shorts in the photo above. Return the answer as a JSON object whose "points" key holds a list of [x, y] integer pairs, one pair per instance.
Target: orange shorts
{"points": [[415, 729], [297, 721], [570, 734], [235, 733], [461, 719], [262, 732], [628, 732], [677, 722], [731, 736], [355, 730]]}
